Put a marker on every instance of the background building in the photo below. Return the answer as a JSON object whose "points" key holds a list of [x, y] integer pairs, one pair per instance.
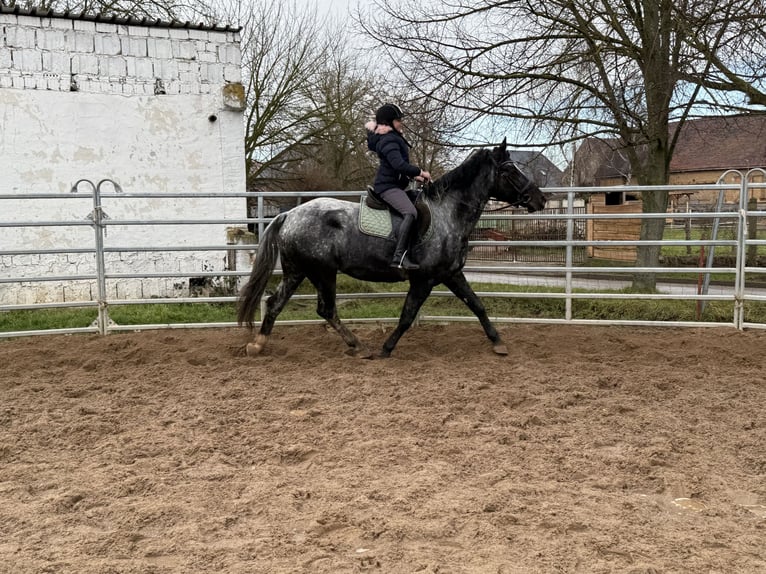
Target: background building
{"points": [[154, 106]]}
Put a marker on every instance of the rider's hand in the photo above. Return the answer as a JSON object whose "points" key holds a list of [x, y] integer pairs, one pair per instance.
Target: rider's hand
{"points": [[424, 176]]}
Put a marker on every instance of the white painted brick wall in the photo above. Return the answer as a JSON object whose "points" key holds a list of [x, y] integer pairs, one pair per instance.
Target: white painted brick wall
{"points": [[5, 58], [106, 57], [53, 136]]}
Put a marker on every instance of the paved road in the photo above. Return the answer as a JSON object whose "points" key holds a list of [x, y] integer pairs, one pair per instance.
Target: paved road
{"points": [[597, 284]]}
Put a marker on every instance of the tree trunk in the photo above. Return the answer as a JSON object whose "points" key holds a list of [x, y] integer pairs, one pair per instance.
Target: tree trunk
{"points": [[658, 82], [652, 229]]}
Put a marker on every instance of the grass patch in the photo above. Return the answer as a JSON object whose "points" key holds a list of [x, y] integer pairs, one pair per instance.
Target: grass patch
{"points": [[382, 307]]}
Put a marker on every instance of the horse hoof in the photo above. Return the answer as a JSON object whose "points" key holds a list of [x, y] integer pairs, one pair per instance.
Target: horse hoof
{"points": [[500, 349], [253, 349], [359, 352]]}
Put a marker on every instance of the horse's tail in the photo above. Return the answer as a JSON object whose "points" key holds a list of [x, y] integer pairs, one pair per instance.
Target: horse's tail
{"points": [[265, 261]]}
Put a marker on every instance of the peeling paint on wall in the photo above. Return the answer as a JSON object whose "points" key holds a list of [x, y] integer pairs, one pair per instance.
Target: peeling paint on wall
{"points": [[115, 126]]}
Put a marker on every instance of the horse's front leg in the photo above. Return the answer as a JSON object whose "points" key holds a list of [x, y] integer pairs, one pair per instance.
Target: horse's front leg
{"points": [[458, 284], [416, 296]]}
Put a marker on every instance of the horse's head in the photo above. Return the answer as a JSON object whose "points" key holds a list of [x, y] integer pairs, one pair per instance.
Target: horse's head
{"points": [[511, 185]]}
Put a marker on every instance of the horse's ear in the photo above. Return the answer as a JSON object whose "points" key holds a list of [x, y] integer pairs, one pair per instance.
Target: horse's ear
{"points": [[500, 151]]}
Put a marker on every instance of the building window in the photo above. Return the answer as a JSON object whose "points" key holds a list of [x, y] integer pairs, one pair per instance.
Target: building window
{"points": [[614, 198]]}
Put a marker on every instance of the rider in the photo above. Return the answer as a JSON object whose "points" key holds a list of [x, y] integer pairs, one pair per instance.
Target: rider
{"points": [[384, 137]]}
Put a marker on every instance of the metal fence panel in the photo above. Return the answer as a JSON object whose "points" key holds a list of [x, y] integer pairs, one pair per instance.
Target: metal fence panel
{"points": [[546, 253]]}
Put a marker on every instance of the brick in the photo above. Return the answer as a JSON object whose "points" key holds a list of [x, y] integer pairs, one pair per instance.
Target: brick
{"points": [[59, 23], [199, 35], [56, 62], [229, 55], [143, 68], [166, 69], [141, 31], [29, 60], [159, 33], [106, 27], [8, 19], [31, 21], [190, 67], [232, 74], [6, 62], [220, 37], [112, 67], [212, 73], [84, 25], [6, 81], [184, 50], [50, 39], [17, 37], [18, 82], [107, 44], [85, 64], [159, 48], [179, 33], [188, 77], [207, 57], [79, 42], [134, 47]]}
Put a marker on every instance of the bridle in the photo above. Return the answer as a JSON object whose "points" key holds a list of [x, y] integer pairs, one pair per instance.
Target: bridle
{"points": [[523, 196]]}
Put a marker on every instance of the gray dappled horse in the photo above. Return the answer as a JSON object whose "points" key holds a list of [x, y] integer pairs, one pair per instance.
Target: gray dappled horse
{"points": [[320, 238]]}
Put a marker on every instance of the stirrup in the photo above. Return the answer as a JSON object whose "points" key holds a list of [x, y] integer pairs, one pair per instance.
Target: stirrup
{"points": [[404, 263]]}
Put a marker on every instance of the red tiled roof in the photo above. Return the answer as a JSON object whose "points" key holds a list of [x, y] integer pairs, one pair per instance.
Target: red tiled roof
{"points": [[722, 142], [714, 143]]}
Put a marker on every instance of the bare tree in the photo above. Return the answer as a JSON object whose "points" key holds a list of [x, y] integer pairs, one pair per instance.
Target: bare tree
{"points": [[563, 70], [335, 157], [284, 48]]}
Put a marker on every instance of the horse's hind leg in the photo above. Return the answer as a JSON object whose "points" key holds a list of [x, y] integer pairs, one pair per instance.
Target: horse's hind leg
{"points": [[327, 309], [274, 305], [458, 284]]}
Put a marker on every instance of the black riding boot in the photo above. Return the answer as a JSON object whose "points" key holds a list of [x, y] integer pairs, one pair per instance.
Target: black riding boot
{"points": [[400, 259]]}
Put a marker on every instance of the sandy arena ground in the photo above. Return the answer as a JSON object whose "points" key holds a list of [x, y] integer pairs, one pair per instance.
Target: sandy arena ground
{"points": [[587, 449]]}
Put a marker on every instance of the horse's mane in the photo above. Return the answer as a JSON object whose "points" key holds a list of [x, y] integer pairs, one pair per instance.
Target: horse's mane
{"points": [[460, 177]]}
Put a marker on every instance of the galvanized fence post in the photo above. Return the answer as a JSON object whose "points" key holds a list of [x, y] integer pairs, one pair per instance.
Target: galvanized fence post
{"points": [[98, 226], [710, 260], [569, 258], [739, 277], [96, 216]]}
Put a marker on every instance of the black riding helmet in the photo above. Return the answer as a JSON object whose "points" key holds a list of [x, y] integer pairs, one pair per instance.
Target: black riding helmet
{"points": [[387, 113]]}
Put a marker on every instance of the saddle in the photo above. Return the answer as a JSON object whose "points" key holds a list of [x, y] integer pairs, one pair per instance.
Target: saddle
{"points": [[378, 219]]}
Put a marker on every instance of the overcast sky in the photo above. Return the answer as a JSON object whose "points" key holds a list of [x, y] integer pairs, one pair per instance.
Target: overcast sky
{"points": [[338, 8]]}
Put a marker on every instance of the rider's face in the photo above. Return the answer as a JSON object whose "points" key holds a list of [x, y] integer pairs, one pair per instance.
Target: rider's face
{"points": [[398, 125]]}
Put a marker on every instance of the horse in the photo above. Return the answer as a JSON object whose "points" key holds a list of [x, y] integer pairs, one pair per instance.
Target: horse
{"points": [[320, 238]]}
